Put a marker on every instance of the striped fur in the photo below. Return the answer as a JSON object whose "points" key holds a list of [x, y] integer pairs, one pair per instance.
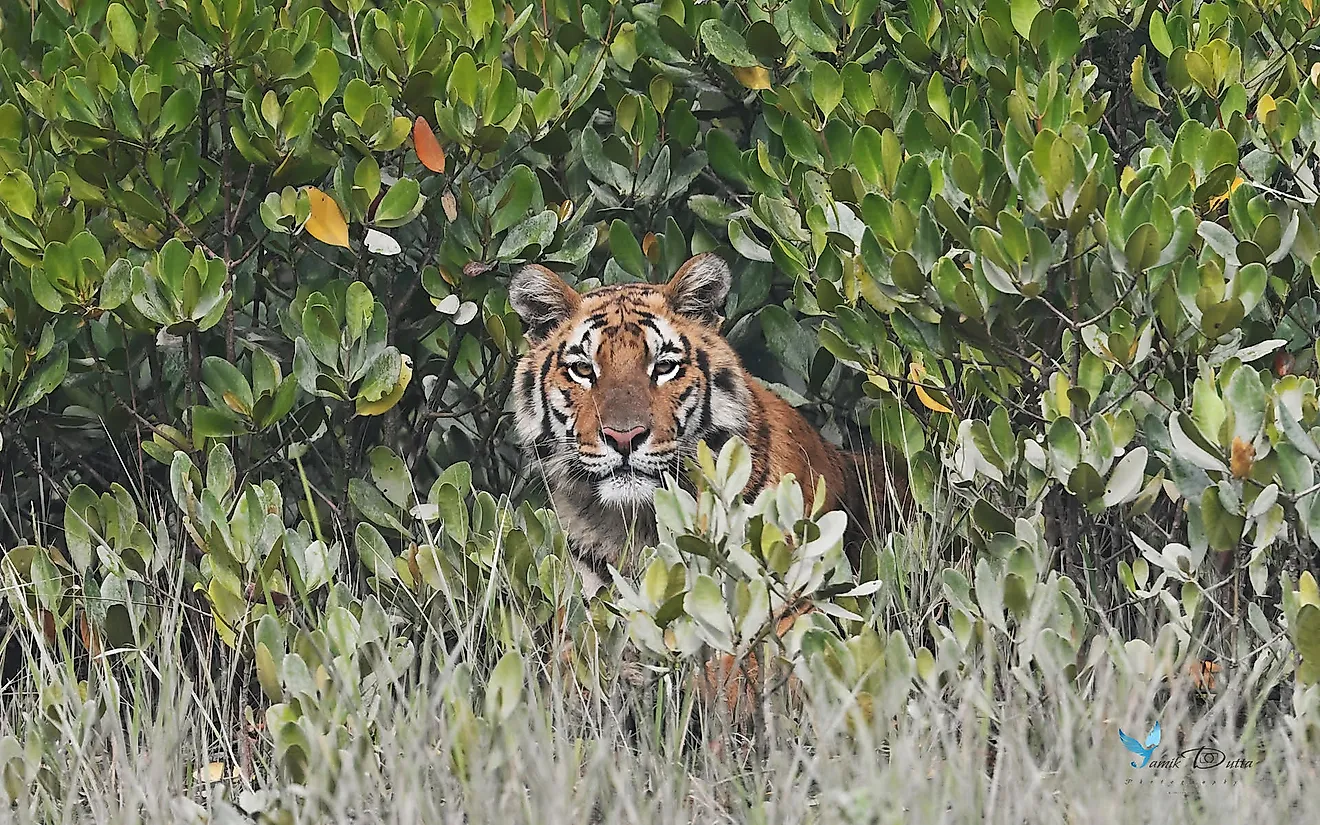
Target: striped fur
{"points": [[645, 358]]}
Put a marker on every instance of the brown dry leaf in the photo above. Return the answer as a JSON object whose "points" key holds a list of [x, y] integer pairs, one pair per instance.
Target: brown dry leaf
{"points": [[1244, 456], [472, 269], [213, 772], [651, 248], [450, 205], [327, 223], [429, 151]]}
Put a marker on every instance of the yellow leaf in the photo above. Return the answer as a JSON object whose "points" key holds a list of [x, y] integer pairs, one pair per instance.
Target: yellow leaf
{"points": [[391, 398], [1140, 88], [930, 402], [232, 401], [1265, 107], [917, 374], [753, 77], [213, 772], [1218, 200], [326, 223]]}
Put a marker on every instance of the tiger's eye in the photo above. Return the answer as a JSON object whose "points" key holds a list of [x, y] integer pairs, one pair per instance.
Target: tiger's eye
{"points": [[664, 368]]}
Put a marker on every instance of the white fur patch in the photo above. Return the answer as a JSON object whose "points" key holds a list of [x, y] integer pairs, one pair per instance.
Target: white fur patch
{"points": [[626, 491]]}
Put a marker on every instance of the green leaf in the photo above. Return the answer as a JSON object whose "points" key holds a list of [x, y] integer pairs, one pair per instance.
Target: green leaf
{"points": [[325, 74], [504, 691], [626, 251], [17, 193], [1024, 14], [123, 31], [705, 604], [210, 422], [1065, 38], [381, 376], [322, 333], [359, 305], [868, 152], [938, 98], [463, 79], [1306, 638], [453, 514], [826, 87], [224, 379], [538, 231], [82, 522], [374, 552], [726, 45], [512, 198], [391, 476], [480, 15], [46, 378], [402, 200]]}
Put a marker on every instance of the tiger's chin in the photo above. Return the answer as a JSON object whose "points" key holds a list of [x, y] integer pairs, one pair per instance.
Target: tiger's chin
{"points": [[627, 490]]}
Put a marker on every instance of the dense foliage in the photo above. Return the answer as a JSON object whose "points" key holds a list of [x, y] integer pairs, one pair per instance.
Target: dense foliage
{"points": [[255, 342]]}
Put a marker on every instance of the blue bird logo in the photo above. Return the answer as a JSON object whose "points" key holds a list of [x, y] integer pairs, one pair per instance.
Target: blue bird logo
{"points": [[1144, 751]]}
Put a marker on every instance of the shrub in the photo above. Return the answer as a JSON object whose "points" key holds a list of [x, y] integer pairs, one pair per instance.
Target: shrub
{"points": [[253, 268]]}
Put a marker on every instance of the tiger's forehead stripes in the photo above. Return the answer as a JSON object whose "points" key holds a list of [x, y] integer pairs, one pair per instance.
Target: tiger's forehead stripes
{"points": [[622, 316]]}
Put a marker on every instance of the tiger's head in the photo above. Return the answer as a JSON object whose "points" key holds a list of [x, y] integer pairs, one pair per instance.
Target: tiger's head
{"points": [[621, 382]]}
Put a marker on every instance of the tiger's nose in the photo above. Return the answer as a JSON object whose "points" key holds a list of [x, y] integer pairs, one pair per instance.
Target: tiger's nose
{"points": [[624, 440]]}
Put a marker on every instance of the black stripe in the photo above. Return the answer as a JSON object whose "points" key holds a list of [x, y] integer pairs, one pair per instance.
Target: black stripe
{"points": [[682, 423], [717, 439], [545, 400], [703, 364], [724, 380]]}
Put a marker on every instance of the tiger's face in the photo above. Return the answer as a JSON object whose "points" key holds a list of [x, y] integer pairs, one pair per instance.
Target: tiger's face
{"points": [[622, 382]]}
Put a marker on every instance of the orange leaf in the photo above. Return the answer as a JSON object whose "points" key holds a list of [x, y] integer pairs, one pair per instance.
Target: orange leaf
{"points": [[428, 148], [651, 248], [1244, 455], [327, 223]]}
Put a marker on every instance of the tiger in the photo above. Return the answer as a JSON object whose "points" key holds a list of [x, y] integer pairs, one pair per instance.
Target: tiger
{"points": [[620, 383]]}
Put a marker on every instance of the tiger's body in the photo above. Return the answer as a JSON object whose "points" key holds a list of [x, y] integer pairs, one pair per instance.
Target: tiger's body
{"points": [[622, 382]]}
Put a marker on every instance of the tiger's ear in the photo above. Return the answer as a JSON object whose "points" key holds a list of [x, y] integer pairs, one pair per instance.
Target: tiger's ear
{"points": [[699, 287], [541, 299]]}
